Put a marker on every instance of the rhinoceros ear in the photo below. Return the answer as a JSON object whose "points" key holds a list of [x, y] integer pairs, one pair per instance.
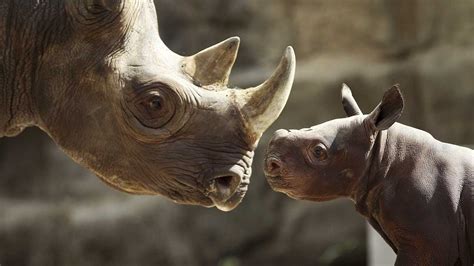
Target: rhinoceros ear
{"points": [[348, 102], [388, 111], [213, 65]]}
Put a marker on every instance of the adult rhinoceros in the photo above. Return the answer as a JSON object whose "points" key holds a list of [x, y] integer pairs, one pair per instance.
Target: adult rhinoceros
{"points": [[95, 75]]}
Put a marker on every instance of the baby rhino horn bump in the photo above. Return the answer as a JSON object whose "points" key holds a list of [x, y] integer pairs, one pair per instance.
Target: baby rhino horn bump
{"points": [[263, 104], [213, 65]]}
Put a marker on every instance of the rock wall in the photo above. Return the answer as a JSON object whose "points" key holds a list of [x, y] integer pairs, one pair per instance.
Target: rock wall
{"points": [[54, 212]]}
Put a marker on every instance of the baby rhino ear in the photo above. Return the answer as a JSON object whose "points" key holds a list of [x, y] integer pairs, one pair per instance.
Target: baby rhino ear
{"points": [[388, 111], [348, 102]]}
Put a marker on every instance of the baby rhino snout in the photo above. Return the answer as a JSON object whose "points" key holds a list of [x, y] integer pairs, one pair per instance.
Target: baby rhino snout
{"points": [[274, 163], [273, 166]]}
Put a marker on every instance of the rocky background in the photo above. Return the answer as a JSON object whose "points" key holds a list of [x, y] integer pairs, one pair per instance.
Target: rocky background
{"points": [[53, 212]]}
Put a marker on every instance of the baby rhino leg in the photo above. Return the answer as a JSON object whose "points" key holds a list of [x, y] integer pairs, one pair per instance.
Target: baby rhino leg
{"points": [[416, 258], [420, 252]]}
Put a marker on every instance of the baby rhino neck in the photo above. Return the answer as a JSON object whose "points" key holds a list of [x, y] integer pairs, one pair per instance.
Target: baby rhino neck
{"points": [[395, 153]]}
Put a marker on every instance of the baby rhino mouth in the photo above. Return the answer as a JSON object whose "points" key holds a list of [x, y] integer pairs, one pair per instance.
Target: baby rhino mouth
{"points": [[275, 172], [227, 190]]}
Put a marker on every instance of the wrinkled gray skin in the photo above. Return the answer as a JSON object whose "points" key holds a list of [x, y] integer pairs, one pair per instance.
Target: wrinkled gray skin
{"points": [[416, 191], [95, 75]]}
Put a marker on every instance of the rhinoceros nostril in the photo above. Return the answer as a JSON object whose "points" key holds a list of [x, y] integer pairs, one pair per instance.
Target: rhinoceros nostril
{"points": [[224, 182], [225, 186], [227, 191]]}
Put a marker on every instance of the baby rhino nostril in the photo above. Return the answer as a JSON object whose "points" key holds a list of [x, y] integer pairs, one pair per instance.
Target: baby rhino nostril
{"points": [[273, 166]]}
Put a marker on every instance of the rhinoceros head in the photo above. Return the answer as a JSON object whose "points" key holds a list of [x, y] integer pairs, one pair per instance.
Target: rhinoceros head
{"points": [[147, 120]]}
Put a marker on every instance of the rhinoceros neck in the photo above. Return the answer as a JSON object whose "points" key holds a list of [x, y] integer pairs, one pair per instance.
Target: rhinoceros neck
{"points": [[22, 39], [27, 30], [17, 107]]}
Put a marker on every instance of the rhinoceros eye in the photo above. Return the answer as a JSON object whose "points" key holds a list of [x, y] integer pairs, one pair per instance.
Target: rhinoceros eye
{"points": [[155, 103], [154, 107]]}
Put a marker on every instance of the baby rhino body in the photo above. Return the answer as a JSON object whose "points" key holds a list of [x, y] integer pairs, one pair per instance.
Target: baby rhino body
{"points": [[416, 191]]}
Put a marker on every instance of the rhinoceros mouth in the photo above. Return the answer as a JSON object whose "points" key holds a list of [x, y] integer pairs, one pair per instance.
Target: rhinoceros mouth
{"points": [[233, 201], [228, 188]]}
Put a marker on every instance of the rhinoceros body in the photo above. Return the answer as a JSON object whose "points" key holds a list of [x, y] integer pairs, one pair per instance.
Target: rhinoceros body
{"points": [[95, 75], [416, 191]]}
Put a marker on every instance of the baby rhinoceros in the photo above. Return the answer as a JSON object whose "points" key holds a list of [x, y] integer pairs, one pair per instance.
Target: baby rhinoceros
{"points": [[416, 191]]}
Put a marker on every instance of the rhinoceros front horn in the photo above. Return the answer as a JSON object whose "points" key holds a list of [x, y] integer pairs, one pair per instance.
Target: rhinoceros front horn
{"points": [[213, 65], [262, 105]]}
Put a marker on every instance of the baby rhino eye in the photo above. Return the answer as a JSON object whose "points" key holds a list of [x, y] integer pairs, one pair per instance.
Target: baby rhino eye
{"points": [[320, 152]]}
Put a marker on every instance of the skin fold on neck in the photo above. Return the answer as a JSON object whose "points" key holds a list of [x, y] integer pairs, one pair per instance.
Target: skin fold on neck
{"points": [[372, 175]]}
